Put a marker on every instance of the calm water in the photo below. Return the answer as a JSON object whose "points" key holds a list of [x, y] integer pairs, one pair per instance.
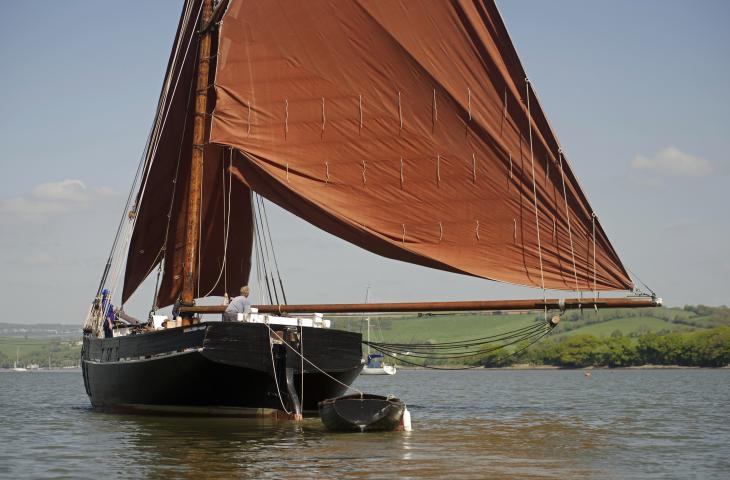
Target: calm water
{"points": [[477, 424]]}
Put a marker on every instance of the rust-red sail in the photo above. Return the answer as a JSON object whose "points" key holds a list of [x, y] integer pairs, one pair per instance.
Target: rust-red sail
{"points": [[407, 128], [404, 127]]}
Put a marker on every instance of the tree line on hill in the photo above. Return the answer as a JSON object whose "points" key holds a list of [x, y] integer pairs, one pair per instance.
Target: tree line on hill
{"points": [[694, 316], [706, 345], [703, 348], [60, 353]]}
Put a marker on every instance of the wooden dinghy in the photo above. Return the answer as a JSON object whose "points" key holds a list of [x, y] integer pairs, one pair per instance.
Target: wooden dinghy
{"points": [[362, 412]]}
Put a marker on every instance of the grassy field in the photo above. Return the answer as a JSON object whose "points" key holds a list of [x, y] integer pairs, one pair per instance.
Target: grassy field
{"points": [[627, 327], [437, 327], [604, 323], [9, 345], [35, 351]]}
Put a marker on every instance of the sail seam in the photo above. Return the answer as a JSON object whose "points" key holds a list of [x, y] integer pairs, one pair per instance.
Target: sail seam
{"points": [[567, 214], [401, 173], [286, 119], [435, 115], [593, 223], [534, 187], [474, 167], [468, 101], [360, 103], [324, 119]]}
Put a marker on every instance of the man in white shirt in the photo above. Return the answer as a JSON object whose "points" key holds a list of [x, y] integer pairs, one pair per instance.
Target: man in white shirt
{"points": [[238, 305]]}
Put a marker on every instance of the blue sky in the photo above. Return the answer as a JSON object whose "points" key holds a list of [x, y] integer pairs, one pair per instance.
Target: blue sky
{"points": [[636, 91]]}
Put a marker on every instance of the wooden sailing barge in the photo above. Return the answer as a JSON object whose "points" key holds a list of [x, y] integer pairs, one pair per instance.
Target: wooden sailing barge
{"points": [[406, 128]]}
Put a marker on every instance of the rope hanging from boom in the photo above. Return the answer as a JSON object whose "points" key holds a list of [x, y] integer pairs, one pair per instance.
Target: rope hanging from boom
{"points": [[522, 338]]}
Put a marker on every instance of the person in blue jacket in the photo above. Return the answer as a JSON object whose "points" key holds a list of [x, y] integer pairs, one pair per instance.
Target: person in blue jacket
{"points": [[107, 310]]}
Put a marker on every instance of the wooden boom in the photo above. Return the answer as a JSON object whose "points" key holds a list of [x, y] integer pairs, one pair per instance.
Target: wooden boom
{"points": [[485, 305]]}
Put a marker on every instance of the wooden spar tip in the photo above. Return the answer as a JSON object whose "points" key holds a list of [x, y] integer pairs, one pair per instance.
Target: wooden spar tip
{"points": [[216, 16], [479, 305]]}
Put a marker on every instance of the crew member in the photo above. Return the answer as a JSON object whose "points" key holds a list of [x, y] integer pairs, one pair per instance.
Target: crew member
{"points": [[238, 305], [107, 312]]}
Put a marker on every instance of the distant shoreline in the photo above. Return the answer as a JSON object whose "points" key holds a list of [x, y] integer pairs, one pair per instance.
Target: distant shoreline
{"points": [[553, 367], [42, 370]]}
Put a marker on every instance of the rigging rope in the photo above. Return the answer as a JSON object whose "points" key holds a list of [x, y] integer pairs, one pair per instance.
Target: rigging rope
{"points": [[349, 387], [453, 352], [567, 214], [153, 308], [128, 220], [163, 248], [301, 364], [595, 290], [653, 294], [260, 259], [258, 264], [534, 193], [273, 368], [530, 334], [469, 342], [273, 251], [266, 245], [226, 226]]}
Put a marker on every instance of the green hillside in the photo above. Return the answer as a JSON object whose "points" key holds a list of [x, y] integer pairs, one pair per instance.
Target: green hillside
{"points": [[627, 326], [436, 328], [37, 351], [603, 323], [693, 335]]}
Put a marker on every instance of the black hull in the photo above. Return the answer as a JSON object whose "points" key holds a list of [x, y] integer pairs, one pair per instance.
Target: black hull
{"points": [[218, 368]]}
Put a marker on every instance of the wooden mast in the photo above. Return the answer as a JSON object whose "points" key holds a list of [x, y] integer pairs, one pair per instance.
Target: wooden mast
{"points": [[192, 228]]}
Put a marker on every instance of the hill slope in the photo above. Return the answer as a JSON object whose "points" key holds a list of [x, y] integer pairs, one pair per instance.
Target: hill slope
{"points": [[603, 323]]}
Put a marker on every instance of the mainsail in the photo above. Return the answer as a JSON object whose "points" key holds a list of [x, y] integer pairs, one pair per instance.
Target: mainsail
{"points": [[406, 128]]}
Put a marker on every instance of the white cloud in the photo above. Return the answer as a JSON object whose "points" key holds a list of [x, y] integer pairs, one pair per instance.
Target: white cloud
{"points": [[66, 196], [671, 161], [68, 191]]}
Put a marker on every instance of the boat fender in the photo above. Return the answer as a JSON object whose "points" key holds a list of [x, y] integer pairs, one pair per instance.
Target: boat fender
{"points": [[406, 421]]}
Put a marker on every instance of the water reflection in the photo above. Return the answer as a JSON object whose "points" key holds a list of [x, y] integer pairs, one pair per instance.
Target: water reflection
{"points": [[530, 447]]}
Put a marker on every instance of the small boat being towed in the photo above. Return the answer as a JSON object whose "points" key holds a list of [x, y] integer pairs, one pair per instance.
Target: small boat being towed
{"points": [[362, 412]]}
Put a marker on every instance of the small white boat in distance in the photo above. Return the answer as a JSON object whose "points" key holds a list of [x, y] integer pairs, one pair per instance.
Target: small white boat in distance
{"points": [[375, 366], [16, 368]]}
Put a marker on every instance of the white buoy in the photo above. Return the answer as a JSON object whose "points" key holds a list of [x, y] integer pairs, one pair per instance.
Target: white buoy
{"points": [[407, 421]]}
